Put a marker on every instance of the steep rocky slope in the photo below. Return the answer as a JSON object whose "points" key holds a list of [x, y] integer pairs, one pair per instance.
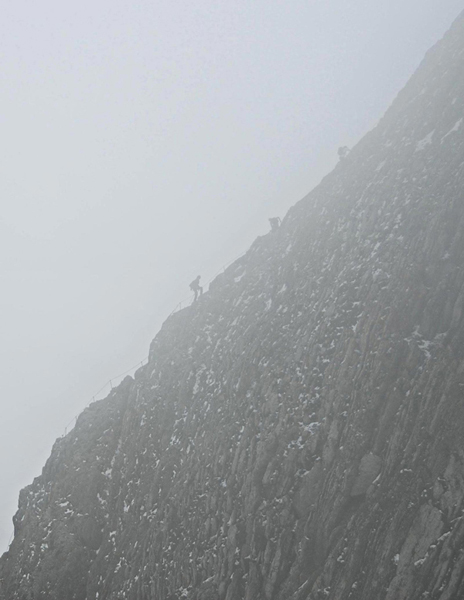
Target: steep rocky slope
{"points": [[298, 433]]}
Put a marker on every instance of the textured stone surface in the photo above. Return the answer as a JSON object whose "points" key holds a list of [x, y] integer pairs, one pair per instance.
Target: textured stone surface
{"points": [[298, 433]]}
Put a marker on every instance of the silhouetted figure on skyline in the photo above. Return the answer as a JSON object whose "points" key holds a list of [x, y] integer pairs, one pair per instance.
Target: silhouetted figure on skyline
{"points": [[343, 152], [196, 288], [275, 223]]}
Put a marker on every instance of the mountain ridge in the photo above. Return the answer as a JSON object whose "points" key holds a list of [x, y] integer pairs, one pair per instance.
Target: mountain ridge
{"points": [[297, 432]]}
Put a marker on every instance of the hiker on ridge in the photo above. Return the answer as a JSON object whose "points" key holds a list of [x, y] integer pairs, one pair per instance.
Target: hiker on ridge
{"points": [[196, 288], [275, 223]]}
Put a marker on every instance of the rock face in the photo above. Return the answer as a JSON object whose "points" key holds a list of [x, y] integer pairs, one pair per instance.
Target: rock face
{"points": [[298, 432]]}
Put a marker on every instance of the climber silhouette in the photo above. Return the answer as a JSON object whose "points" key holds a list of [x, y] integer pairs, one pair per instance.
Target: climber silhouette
{"points": [[275, 223], [196, 288], [343, 152]]}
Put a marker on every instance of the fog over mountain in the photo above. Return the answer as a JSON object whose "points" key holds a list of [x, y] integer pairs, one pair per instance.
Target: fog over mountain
{"points": [[143, 144], [297, 432]]}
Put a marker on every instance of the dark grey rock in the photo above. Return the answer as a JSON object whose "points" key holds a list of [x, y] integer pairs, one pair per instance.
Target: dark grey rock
{"points": [[298, 433]]}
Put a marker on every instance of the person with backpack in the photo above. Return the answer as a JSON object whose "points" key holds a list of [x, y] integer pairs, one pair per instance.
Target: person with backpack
{"points": [[196, 288], [275, 223]]}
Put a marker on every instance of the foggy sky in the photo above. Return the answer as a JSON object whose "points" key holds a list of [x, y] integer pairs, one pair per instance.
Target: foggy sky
{"points": [[145, 143]]}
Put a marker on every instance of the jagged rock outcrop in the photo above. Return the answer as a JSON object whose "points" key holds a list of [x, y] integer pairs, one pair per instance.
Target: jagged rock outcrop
{"points": [[298, 433]]}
